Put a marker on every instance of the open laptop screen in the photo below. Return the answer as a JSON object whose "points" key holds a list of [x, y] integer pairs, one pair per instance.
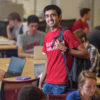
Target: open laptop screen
{"points": [[15, 67]]}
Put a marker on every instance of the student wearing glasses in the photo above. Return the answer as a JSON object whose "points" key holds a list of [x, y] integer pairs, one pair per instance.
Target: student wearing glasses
{"points": [[55, 71]]}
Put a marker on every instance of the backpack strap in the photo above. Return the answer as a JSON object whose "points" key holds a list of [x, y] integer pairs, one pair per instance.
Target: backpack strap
{"points": [[60, 38]]}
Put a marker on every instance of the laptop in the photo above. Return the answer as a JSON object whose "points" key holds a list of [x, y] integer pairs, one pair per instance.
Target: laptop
{"points": [[38, 53], [15, 67]]}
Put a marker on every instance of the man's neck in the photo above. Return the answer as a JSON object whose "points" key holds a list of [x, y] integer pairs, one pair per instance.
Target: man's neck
{"points": [[84, 20], [53, 29], [32, 33]]}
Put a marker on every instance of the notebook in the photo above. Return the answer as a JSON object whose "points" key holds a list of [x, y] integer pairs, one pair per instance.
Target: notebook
{"points": [[6, 42], [38, 53], [15, 67]]}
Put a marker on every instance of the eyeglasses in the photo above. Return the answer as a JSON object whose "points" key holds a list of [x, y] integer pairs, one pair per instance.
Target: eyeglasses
{"points": [[52, 15]]}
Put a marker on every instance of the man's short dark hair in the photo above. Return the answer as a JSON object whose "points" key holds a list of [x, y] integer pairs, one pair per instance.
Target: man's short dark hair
{"points": [[84, 11], [53, 7], [32, 19], [31, 93], [14, 16]]}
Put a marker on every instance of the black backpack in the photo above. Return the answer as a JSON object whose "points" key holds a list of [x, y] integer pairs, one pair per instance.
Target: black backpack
{"points": [[78, 65]]}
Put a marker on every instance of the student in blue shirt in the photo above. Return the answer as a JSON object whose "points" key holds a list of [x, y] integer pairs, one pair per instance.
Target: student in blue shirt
{"points": [[87, 88]]}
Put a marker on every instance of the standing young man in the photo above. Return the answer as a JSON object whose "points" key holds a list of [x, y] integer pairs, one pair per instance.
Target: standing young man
{"points": [[82, 22], [33, 37], [55, 70]]}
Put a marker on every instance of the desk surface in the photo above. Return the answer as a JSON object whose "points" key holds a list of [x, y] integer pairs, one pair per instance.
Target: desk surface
{"points": [[4, 63], [6, 46], [14, 78], [28, 68]]}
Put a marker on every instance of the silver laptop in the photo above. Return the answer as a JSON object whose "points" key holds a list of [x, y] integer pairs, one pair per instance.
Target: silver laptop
{"points": [[38, 53]]}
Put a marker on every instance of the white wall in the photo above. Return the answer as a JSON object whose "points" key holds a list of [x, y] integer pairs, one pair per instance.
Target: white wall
{"points": [[40, 6], [8, 7], [70, 8], [96, 12], [28, 6]]}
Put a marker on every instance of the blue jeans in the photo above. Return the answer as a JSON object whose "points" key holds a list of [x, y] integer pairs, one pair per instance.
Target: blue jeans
{"points": [[49, 88]]}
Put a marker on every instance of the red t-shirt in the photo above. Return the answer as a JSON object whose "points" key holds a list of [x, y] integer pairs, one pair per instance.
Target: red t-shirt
{"points": [[78, 24], [56, 70]]}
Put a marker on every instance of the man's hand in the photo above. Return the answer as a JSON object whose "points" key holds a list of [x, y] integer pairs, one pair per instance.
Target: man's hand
{"points": [[14, 43], [61, 45], [9, 27], [9, 33], [40, 86]]}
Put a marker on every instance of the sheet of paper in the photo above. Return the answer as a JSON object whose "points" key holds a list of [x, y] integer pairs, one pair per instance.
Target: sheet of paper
{"points": [[6, 41]]}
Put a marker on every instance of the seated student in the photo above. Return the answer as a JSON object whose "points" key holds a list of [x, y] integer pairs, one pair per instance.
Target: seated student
{"points": [[82, 22], [94, 53], [87, 88], [15, 26], [31, 38], [31, 93]]}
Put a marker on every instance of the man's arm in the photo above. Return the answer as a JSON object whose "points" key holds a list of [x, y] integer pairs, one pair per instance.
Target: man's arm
{"points": [[80, 51], [9, 34], [43, 75], [20, 43], [21, 53]]}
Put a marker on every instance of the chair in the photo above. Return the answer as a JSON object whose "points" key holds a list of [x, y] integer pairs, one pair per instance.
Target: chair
{"points": [[57, 97], [3, 25], [42, 26], [10, 89]]}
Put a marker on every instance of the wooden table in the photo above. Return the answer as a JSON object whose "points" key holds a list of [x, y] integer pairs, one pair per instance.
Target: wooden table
{"points": [[7, 46], [4, 63], [28, 68]]}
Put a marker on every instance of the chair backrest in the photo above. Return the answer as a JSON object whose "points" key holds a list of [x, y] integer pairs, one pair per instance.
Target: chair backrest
{"points": [[3, 26], [10, 89], [68, 23], [57, 97], [42, 26]]}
